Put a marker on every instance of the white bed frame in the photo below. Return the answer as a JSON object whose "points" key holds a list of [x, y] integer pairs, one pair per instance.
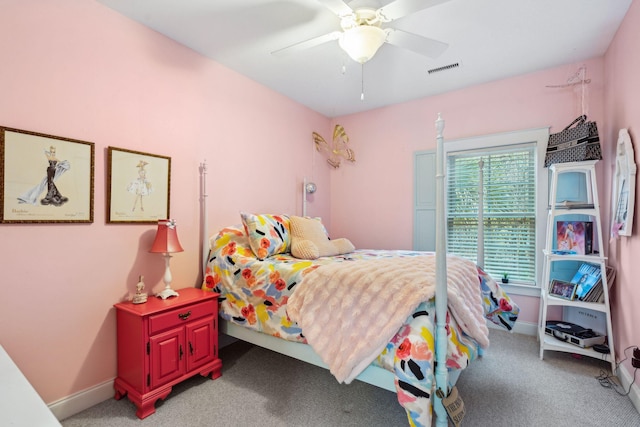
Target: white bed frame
{"points": [[374, 375]]}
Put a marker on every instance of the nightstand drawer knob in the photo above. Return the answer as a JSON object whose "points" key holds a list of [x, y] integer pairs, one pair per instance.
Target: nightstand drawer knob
{"points": [[185, 316]]}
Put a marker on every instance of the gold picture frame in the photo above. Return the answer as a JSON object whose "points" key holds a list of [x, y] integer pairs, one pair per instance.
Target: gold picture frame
{"points": [[45, 178], [138, 186], [562, 289]]}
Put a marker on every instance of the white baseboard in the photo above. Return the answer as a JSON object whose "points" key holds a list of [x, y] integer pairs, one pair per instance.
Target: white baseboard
{"points": [[78, 402], [520, 327], [626, 379]]}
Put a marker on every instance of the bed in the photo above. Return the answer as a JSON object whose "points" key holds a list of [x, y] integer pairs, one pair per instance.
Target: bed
{"points": [[412, 328]]}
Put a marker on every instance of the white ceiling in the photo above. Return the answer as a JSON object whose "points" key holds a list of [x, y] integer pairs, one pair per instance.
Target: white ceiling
{"points": [[490, 39]]}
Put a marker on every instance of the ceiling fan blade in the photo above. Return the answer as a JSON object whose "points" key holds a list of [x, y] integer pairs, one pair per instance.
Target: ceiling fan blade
{"points": [[307, 44], [338, 7], [415, 43], [399, 8]]}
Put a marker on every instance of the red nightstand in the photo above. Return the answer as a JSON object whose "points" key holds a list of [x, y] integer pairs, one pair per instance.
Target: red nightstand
{"points": [[163, 342]]}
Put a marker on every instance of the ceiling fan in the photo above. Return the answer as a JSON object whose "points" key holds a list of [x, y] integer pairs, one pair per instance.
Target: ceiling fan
{"points": [[363, 33]]}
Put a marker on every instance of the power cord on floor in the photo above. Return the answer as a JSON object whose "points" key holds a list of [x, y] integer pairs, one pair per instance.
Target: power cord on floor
{"points": [[608, 381]]}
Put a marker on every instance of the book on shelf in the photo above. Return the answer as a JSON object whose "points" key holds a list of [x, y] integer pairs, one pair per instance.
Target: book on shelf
{"points": [[570, 204], [596, 294], [586, 278]]}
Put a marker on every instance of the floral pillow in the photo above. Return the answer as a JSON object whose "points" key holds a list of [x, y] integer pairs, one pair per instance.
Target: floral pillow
{"points": [[268, 234]]}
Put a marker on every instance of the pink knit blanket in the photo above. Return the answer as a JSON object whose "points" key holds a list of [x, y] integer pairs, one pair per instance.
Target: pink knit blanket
{"points": [[349, 311]]}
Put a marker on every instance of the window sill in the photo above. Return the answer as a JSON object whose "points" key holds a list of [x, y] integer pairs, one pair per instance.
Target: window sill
{"points": [[515, 289]]}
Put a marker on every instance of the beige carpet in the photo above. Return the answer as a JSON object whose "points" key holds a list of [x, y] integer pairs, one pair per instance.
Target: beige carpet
{"points": [[509, 386]]}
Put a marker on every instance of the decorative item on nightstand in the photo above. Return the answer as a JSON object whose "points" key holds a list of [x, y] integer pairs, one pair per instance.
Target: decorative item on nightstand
{"points": [[166, 243], [140, 297]]}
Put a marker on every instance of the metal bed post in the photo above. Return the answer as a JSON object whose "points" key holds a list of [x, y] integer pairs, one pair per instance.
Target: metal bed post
{"points": [[441, 283]]}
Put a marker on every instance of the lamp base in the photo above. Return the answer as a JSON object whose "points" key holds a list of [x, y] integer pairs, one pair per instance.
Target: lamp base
{"points": [[166, 293]]}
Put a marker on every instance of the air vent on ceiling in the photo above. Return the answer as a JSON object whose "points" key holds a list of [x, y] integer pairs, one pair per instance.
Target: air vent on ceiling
{"points": [[444, 68]]}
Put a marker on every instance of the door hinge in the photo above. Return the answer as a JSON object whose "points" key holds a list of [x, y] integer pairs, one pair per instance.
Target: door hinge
{"points": [[148, 380], [148, 347]]}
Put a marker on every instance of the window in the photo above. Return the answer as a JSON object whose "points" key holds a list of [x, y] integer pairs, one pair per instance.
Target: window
{"points": [[514, 193], [508, 209]]}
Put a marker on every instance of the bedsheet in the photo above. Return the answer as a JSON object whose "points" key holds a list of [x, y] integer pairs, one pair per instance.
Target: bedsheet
{"points": [[254, 294]]}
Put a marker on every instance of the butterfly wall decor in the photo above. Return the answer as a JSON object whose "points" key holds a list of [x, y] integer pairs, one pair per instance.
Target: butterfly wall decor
{"points": [[338, 149]]}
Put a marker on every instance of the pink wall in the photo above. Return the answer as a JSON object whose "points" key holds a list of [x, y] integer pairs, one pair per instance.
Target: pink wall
{"points": [[385, 139], [80, 70], [379, 187], [622, 110], [76, 69]]}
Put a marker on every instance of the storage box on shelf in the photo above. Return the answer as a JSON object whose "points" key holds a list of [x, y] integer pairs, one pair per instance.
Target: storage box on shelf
{"points": [[566, 213]]}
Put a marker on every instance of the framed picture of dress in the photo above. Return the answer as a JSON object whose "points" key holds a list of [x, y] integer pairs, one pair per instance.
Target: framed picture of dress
{"points": [[624, 187], [138, 186], [45, 178]]}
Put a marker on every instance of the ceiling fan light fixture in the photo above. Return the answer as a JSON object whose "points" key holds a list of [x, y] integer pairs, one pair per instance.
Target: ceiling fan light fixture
{"points": [[362, 42]]}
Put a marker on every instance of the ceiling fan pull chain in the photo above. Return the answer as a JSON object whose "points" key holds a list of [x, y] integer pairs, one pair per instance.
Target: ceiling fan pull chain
{"points": [[362, 82]]}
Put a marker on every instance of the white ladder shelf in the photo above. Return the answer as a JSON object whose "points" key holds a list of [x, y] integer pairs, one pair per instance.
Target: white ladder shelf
{"points": [[590, 208]]}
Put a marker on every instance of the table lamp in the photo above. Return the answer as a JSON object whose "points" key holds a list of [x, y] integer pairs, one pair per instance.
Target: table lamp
{"points": [[166, 243]]}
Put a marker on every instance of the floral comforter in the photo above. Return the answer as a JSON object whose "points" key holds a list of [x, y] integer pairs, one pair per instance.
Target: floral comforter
{"points": [[254, 294]]}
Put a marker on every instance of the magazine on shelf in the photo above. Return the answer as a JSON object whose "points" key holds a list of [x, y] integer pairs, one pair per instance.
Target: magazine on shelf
{"points": [[587, 276]]}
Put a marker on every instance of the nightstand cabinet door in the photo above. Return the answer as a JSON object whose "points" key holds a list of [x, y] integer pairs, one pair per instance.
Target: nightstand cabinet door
{"points": [[167, 357], [202, 343]]}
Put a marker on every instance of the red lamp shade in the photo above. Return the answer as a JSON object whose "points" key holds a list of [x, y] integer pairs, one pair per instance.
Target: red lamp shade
{"points": [[166, 237]]}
